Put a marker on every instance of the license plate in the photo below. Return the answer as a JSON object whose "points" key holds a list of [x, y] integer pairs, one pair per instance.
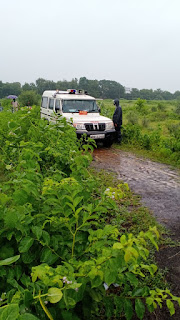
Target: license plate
{"points": [[97, 136]]}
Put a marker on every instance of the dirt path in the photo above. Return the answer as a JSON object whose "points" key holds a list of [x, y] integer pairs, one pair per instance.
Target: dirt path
{"points": [[159, 187]]}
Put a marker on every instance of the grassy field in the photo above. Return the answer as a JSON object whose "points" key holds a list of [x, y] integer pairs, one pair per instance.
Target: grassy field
{"points": [[150, 128]]}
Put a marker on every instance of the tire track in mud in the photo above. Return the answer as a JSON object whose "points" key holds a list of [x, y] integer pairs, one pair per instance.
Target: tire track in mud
{"points": [[157, 184]]}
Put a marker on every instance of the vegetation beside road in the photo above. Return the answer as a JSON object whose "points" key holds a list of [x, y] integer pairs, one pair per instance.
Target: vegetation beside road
{"points": [[150, 128], [66, 234]]}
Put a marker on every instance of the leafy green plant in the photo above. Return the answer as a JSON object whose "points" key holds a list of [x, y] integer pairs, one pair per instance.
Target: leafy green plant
{"points": [[59, 254], [29, 98], [132, 118], [141, 106]]}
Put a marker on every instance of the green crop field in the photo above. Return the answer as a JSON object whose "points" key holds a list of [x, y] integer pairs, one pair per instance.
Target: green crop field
{"points": [[151, 128]]}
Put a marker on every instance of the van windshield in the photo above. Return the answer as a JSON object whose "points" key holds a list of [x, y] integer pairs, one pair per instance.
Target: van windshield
{"points": [[72, 106]]}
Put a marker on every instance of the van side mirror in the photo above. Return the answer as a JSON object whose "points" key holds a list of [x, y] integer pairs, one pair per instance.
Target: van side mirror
{"points": [[99, 109]]}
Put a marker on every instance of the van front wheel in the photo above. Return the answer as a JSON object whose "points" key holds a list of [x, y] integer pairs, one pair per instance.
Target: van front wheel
{"points": [[108, 143]]}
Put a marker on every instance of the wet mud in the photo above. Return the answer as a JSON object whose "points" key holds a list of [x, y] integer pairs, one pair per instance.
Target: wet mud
{"points": [[157, 184], [159, 188]]}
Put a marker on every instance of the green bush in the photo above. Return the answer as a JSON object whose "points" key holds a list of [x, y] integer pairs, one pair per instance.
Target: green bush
{"points": [[165, 152], [177, 110], [29, 98], [154, 109], [174, 129], [6, 104], [132, 118], [145, 122], [141, 106], [161, 106], [59, 257]]}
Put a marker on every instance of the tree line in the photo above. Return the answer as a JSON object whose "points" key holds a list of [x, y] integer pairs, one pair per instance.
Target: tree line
{"points": [[105, 89]]}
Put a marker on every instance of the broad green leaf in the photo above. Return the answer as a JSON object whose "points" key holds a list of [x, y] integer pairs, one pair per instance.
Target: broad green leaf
{"points": [[11, 218], [132, 278], [77, 211], [129, 253], [8, 167], [12, 124], [25, 244], [110, 277], [28, 298], [140, 308], [20, 196], [140, 292], [123, 239], [4, 198], [47, 256], [149, 301], [151, 238], [28, 257], [151, 268], [27, 316], [37, 231], [77, 200], [154, 229], [71, 206], [46, 237], [128, 309], [54, 295], [119, 303], [10, 313], [170, 306], [85, 216], [118, 245], [8, 261], [95, 295], [96, 281]]}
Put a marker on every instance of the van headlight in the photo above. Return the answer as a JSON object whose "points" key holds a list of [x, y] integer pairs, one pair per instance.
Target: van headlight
{"points": [[79, 126], [109, 125]]}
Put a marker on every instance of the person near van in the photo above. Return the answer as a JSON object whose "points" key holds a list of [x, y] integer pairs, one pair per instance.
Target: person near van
{"points": [[117, 120]]}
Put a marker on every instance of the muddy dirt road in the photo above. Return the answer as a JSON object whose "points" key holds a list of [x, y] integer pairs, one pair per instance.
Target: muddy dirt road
{"points": [[156, 183], [159, 187]]}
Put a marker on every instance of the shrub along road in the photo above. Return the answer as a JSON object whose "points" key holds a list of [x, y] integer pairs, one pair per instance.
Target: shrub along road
{"points": [[159, 187]]}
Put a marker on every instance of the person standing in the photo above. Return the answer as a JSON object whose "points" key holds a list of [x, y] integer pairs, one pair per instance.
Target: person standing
{"points": [[14, 105], [117, 120]]}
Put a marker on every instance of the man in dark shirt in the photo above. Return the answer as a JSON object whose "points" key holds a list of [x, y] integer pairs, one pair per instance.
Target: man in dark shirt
{"points": [[117, 119]]}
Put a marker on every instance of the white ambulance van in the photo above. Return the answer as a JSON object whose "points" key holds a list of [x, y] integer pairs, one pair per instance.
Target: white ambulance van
{"points": [[80, 108]]}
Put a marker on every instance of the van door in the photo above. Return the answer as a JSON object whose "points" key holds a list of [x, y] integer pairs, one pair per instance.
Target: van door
{"points": [[50, 108], [58, 106], [44, 107]]}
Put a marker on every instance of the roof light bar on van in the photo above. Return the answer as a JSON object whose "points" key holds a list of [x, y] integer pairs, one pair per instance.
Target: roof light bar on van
{"points": [[72, 91], [81, 91]]}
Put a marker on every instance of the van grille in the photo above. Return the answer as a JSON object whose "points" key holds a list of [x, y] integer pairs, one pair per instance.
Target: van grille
{"points": [[95, 126]]}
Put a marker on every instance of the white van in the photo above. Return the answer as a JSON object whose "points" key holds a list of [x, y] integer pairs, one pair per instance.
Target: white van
{"points": [[82, 110]]}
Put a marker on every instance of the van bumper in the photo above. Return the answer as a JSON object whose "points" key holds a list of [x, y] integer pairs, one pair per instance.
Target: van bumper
{"points": [[97, 135]]}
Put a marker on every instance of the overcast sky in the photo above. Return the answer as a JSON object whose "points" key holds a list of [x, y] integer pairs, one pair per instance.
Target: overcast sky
{"points": [[134, 42]]}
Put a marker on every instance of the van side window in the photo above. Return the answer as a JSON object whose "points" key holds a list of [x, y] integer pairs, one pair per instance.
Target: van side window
{"points": [[57, 105], [44, 102], [51, 104]]}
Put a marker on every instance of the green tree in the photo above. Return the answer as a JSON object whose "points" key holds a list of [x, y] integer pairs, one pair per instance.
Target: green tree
{"points": [[43, 85], [29, 98], [28, 87], [111, 89], [10, 88]]}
